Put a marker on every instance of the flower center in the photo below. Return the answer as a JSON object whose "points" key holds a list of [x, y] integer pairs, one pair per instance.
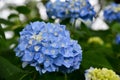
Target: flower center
{"points": [[36, 48], [37, 37]]}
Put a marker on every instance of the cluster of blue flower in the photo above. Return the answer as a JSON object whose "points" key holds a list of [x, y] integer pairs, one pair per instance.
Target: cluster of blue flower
{"points": [[112, 12], [70, 9], [49, 48]]}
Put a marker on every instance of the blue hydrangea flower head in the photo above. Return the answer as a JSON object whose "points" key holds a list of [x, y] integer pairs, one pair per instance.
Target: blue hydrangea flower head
{"points": [[72, 9], [112, 12], [117, 40], [49, 48]]}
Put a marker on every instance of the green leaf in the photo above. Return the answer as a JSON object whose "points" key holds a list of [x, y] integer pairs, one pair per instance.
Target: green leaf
{"points": [[23, 9], [17, 30], [8, 70], [96, 57], [115, 64], [2, 35], [12, 16], [116, 27], [6, 22]]}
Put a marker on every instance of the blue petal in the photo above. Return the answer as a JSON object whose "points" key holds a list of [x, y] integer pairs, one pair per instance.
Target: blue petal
{"points": [[37, 56], [59, 61], [28, 56], [41, 58], [24, 64], [37, 26], [68, 62], [22, 46], [50, 68], [48, 61]]}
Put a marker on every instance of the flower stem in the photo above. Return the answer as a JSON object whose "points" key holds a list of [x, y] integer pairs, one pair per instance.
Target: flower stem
{"points": [[65, 76], [34, 77]]}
